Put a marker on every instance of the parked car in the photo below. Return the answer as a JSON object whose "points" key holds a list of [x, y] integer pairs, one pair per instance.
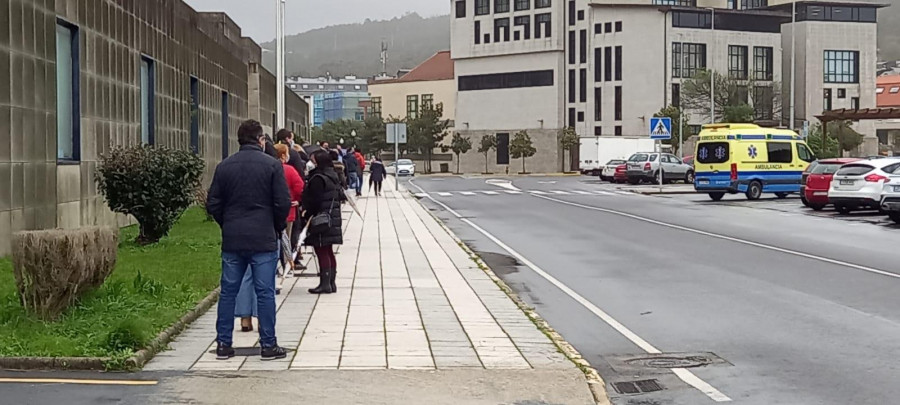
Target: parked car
{"points": [[890, 197], [817, 180], [621, 174], [609, 170], [859, 185], [402, 167], [646, 166], [688, 160]]}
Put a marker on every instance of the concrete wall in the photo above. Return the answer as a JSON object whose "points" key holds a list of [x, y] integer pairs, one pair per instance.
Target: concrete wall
{"points": [[36, 191], [393, 96], [547, 159]]}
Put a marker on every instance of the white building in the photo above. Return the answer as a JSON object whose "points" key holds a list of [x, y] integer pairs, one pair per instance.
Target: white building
{"points": [[605, 67]]}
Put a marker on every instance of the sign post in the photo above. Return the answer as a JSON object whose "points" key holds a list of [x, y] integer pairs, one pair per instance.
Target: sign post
{"points": [[660, 129], [396, 134]]}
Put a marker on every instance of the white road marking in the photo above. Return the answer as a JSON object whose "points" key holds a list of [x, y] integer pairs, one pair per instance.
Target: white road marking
{"points": [[685, 375], [421, 195], [559, 192], [444, 194], [512, 192], [582, 192], [503, 184], [605, 193], [546, 182], [490, 192], [467, 193], [537, 192]]}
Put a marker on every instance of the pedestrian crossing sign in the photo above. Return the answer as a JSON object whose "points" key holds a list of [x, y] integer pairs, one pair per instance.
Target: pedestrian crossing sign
{"points": [[661, 128]]}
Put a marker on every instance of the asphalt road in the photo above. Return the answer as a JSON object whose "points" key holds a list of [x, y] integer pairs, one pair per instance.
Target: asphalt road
{"points": [[776, 305]]}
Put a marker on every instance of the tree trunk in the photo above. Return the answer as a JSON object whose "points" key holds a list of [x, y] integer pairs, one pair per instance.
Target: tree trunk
{"points": [[457, 163], [485, 163], [523, 164]]}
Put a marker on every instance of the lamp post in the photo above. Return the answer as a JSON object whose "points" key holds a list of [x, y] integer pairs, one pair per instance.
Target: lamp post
{"points": [[794, 65], [712, 72], [279, 58]]}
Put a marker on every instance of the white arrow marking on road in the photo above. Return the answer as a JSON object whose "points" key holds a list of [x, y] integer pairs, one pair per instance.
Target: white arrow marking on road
{"points": [[502, 184]]}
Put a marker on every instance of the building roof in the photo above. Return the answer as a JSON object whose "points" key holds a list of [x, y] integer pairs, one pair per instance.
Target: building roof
{"points": [[438, 67], [859, 115], [887, 93]]}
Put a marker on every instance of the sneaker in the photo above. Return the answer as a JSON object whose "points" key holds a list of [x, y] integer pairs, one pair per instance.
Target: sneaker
{"points": [[273, 353], [289, 274], [224, 352]]}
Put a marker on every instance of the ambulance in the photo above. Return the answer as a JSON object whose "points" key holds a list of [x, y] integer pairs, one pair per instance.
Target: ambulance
{"points": [[749, 159]]}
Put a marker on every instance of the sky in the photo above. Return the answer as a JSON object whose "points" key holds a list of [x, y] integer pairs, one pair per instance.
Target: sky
{"points": [[257, 17]]}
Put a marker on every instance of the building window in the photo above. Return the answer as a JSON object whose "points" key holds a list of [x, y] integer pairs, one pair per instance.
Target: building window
{"points": [[676, 95], [598, 28], [515, 80], [842, 93], [522, 5], [618, 103], [751, 4], [598, 104], [224, 125], [827, 100], [502, 149], [618, 130], [427, 102], [688, 59], [583, 46], [68, 106], [376, 106], [598, 62], [525, 23], [618, 26], [412, 107], [571, 12], [763, 102], [879, 90], [501, 6], [841, 66], [477, 32], [737, 62], [854, 103], [608, 64], [682, 3], [460, 8], [581, 116], [582, 95], [618, 63], [836, 13], [608, 27], [571, 85], [195, 115], [501, 30], [482, 7], [542, 23], [763, 65], [580, 15], [571, 47], [540, 3], [148, 98], [598, 131], [692, 19], [572, 117]]}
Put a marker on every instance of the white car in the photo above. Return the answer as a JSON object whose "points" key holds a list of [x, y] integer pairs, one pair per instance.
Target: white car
{"points": [[890, 198], [402, 167], [859, 185], [609, 170]]}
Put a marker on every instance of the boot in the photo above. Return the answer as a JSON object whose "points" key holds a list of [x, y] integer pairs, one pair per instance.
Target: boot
{"points": [[332, 275], [324, 283]]}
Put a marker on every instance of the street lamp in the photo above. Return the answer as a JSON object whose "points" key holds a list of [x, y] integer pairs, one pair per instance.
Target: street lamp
{"points": [[279, 57], [712, 72], [794, 65]]}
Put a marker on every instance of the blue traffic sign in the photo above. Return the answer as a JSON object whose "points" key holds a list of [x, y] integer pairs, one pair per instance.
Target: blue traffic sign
{"points": [[661, 128]]}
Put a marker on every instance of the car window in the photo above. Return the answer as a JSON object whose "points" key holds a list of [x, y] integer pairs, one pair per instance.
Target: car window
{"points": [[893, 169], [615, 162], [653, 158], [826, 168], [854, 170], [780, 152], [638, 157], [405, 162], [713, 152], [804, 153], [674, 159]]}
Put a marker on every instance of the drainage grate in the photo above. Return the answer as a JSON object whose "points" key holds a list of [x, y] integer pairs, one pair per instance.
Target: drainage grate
{"points": [[637, 387]]}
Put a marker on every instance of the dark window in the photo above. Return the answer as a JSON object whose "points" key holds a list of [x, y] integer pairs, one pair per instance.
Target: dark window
{"points": [[751, 4], [502, 149], [618, 26], [571, 12], [460, 8], [713, 152], [542, 23], [737, 62], [841, 66], [572, 117], [826, 102], [525, 23], [541, 3], [581, 116], [148, 101], [780, 152], [583, 85], [583, 46], [598, 131], [598, 28], [854, 103], [618, 130], [763, 63], [683, 3], [523, 5], [580, 15], [427, 101], [692, 19], [598, 63], [539, 78], [676, 94], [688, 59], [618, 63], [224, 124], [501, 30], [854, 170], [482, 7], [598, 104], [571, 85], [477, 32], [607, 27], [195, 115], [842, 93], [501, 6], [607, 63], [412, 106], [618, 103], [571, 47], [68, 105], [826, 168]]}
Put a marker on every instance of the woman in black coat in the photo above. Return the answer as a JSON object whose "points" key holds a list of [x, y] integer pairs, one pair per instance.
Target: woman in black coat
{"points": [[323, 193], [377, 174]]}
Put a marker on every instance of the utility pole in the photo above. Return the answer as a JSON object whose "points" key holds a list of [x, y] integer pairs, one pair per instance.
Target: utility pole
{"points": [[279, 60], [384, 58], [794, 65]]}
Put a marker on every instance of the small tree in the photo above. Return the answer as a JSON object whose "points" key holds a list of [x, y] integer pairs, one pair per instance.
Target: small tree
{"points": [[522, 147], [427, 131], [832, 147], [459, 145], [568, 140], [732, 94], [841, 138], [677, 119], [737, 114], [154, 185], [488, 143]]}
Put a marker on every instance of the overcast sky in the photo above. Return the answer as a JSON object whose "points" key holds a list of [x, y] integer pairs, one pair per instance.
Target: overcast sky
{"points": [[257, 17]]}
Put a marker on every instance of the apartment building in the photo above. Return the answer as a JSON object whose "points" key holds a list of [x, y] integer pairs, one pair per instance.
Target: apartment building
{"points": [[609, 65], [331, 98]]}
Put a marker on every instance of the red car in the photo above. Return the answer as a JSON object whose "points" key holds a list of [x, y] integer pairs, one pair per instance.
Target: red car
{"points": [[818, 181], [620, 176]]}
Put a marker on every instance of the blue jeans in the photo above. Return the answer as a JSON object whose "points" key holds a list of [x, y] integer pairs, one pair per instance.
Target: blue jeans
{"points": [[263, 267], [356, 182], [246, 298]]}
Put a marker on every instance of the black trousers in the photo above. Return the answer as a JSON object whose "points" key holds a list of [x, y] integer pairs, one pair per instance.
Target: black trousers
{"points": [[378, 187], [295, 231]]}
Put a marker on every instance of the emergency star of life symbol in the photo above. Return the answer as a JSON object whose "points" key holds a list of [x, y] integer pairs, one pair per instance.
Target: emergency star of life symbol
{"points": [[752, 151], [704, 153], [720, 152]]}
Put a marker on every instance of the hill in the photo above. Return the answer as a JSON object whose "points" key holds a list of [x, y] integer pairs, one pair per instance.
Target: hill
{"points": [[355, 49]]}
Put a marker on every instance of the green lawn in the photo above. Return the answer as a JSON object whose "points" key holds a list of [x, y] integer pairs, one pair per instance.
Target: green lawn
{"points": [[150, 289]]}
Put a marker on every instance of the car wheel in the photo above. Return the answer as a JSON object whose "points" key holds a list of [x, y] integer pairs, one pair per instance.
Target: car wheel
{"points": [[843, 209], [754, 190], [781, 195], [817, 207], [895, 216], [689, 178], [656, 179], [804, 200], [716, 196]]}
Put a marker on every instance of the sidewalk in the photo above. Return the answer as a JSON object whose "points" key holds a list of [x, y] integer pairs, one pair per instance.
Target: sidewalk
{"points": [[409, 298]]}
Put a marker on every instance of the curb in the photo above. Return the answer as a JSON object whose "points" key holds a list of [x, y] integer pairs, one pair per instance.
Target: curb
{"points": [[54, 363], [595, 383]]}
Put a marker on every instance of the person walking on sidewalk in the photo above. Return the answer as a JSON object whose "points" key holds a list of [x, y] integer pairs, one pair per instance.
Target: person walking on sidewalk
{"points": [[250, 201], [324, 195], [377, 173], [353, 172], [339, 168]]}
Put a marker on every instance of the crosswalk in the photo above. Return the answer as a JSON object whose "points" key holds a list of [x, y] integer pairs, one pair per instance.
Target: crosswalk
{"points": [[475, 193]]}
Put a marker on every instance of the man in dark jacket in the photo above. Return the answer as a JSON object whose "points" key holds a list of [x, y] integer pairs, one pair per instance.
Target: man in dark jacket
{"points": [[354, 172], [249, 199]]}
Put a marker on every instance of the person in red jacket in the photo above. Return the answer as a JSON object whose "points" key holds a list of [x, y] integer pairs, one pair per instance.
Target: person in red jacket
{"points": [[361, 159], [294, 182]]}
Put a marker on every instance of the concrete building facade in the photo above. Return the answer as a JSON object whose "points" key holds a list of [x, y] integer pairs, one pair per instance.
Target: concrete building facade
{"points": [[79, 78]]}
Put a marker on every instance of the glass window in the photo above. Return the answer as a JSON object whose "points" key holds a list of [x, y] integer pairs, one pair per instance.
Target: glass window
{"points": [[538, 78], [581, 116], [826, 168], [580, 15], [854, 103], [412, 106], [608, 64], [502, 149], [804, 153], [780, 152], [376, 106], [524, 22], [737, 62], [841, 66], [688, 59], [826, 100], [482, 7], [676, 95], [598, 62], [582, 75], [427, 101], [501, 30], [542, 23], [692, 19], [854, 170], [501, 6], [751, 4], [583, 46], [67, 97], [598, 28], [763, 65], [683, 3], [148, 98], [572, 85], [763, 102], [618, 63], [460, 8], [571, 47], [618, 26], [571, 12], [608, 27], [713, 152], [195, 114], [525, 4], [598, 104], [618, 103], [477, 32], [618, 130], [539, 4], [638, 157], [895, 90]]}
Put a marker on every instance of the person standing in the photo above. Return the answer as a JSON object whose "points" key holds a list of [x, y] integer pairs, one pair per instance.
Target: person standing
{"points": [[297, 161], [324, 194], [377, 173], [295, 185], [250, 201], [353, 172], [339, 168]]}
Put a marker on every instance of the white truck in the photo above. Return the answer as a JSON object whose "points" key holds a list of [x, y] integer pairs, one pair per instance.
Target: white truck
{"points": [[596, 151]]}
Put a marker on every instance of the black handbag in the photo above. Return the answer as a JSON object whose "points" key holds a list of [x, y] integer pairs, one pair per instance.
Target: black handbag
{"points": [[321, 222]]}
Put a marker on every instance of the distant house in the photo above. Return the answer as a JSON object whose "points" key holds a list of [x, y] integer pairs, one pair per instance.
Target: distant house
{"points": [[430, 83]]}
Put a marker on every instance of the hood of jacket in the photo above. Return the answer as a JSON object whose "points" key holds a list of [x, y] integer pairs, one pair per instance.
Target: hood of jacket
{"points": [[327, 172]]}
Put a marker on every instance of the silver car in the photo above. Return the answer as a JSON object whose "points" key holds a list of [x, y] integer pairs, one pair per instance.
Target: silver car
{"points": [[890, 197], [646, 166]]}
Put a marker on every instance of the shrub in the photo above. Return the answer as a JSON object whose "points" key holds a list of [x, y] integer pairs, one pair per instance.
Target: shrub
{"points": [[55, 267], [200, 198], [155, 185], [130, 334]]}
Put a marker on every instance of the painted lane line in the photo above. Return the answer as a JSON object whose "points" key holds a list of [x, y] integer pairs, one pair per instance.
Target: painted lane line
{"points": [[75, 381], [582, 192], [444, 194], [513, 192], [685, 375], [466, 193], [558, 192], [537, 192], [490, 192], [605, 193]]}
